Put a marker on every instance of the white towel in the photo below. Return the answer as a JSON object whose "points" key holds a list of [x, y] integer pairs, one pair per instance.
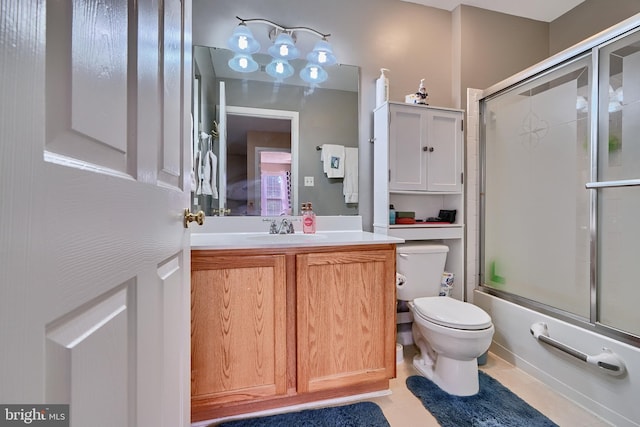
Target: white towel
{"points": [[209, 178], [194, 181], [350, 183], [199, 172], [333, 160]]}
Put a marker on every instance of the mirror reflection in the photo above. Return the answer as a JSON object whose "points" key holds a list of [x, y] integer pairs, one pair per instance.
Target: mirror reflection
{"points": [[257, 143]]}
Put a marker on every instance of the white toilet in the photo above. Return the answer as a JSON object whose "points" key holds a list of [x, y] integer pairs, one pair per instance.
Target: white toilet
{"points": [[450, 334]]}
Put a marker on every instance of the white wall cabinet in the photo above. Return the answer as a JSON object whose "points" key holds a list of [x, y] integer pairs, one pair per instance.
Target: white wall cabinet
{"points": [[424, 148], [418, 164]]}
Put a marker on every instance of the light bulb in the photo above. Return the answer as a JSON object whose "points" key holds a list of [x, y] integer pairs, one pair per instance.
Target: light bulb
{"points": [[322, 57], [243, 63], [313, 73], [284, 50], [243, 43]]}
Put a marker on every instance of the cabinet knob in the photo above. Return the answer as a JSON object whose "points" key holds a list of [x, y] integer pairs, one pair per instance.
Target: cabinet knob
{"points": [[429, 149]]}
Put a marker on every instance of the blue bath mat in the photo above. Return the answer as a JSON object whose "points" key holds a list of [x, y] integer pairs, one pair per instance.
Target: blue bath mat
{"points": [[493, 406], [363, 414]]}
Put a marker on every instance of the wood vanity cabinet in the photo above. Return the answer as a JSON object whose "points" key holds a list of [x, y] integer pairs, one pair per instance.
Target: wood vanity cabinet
{"points": [[346, 319], [272, 328], [238, 329]]}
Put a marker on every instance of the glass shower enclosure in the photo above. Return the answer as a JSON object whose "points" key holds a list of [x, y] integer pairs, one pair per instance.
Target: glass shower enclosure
{"points": [[560, 185]]}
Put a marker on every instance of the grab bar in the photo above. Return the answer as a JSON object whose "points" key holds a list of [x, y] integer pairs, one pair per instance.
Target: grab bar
{"points": [[607, 360], [613, 184]]}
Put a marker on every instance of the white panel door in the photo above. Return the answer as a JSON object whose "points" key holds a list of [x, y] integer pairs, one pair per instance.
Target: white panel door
{"points": [[94, 259]]}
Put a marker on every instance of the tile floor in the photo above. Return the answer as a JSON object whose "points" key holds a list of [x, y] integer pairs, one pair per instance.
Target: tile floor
{"points": [[403, 409]]}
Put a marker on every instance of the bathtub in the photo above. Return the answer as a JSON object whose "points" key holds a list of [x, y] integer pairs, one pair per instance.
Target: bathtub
{"points": [[615, 399]]}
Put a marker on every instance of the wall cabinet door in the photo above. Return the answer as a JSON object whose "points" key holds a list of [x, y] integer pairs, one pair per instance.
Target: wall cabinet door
{"points": [[444, 153], [425, 149], [345, 319], [238, 329], [407, 145]]}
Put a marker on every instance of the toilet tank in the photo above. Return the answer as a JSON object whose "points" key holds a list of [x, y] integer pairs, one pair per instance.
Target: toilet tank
{"points": [[422, 264]]}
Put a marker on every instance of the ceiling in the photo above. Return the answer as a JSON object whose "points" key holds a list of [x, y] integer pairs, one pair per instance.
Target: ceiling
{"points": [[540, 10]]}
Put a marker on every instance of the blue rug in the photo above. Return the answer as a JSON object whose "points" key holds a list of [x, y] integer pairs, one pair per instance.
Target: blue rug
{"points": [[493, 406], [363, 414]]}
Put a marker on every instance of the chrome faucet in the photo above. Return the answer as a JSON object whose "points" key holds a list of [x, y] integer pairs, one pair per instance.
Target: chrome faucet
{"points": [[285, 226]]}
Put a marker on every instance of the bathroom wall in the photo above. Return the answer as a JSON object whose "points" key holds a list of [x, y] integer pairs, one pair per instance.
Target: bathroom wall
{"points": [[494, 46], [587, 19]]}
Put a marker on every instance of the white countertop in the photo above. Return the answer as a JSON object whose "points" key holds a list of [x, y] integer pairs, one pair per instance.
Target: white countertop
{"points": [[249, 233]]}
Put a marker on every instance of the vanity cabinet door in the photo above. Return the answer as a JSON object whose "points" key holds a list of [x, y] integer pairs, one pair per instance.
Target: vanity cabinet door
{"points": [[238, 330], [345, 319]]}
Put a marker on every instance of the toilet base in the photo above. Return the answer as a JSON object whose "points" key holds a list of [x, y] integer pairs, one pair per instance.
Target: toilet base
{"points": [[456, 377]]}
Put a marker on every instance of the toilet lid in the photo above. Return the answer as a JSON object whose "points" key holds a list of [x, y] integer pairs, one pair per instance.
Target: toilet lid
{"points": [[452, 313]]}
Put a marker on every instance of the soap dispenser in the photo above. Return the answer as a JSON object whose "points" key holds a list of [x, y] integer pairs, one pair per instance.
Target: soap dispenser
{"points": [[308, 218], [382, 88]]}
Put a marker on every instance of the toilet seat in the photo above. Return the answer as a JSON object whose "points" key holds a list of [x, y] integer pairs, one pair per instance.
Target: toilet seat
{"points": [[451, 313]]}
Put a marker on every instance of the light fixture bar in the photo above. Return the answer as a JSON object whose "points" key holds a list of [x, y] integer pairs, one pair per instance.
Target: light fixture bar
{"points": [[282, 28]]}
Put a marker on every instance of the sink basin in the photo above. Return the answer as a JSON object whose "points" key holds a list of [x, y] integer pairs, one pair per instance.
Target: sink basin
{"points": [[288, 238]]}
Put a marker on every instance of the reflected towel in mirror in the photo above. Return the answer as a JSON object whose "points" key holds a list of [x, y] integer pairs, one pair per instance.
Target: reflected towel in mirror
{"points": [[332, 157], [350, 183]]}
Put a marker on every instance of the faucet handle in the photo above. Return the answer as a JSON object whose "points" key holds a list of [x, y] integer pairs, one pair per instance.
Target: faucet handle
{"points": [[273, 227]]}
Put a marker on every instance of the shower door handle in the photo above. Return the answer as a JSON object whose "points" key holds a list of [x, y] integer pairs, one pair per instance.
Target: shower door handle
{"points": [[613, 184]]}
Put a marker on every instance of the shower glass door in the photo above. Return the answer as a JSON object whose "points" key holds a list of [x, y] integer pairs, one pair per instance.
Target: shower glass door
{"points": [[618, 186], [536, 227]]}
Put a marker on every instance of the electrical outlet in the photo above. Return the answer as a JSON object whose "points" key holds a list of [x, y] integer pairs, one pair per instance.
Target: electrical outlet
{"points": [[308, 181]]}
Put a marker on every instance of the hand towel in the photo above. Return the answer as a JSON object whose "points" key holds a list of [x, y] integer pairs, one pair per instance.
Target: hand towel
{"points": [[333, 160], [209, 179], [199, 172], [350, 182], [194, 180]]}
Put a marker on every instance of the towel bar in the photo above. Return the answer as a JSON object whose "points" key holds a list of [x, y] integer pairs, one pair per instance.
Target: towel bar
{"points": [[607, 360]]}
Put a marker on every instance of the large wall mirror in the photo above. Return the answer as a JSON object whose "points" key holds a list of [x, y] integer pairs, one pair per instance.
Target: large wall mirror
{"points": [[256, 142]]}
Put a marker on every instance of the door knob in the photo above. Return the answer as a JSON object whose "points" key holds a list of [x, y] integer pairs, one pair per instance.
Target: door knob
{"points": [[189, 217]]}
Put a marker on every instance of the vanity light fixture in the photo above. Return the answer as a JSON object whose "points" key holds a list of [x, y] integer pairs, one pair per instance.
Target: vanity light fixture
{"points": [[283, 50], [243, 44], [322, 54], [313, 73], [279, 69], [243, 63], [242, 40], [284, 47]]}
